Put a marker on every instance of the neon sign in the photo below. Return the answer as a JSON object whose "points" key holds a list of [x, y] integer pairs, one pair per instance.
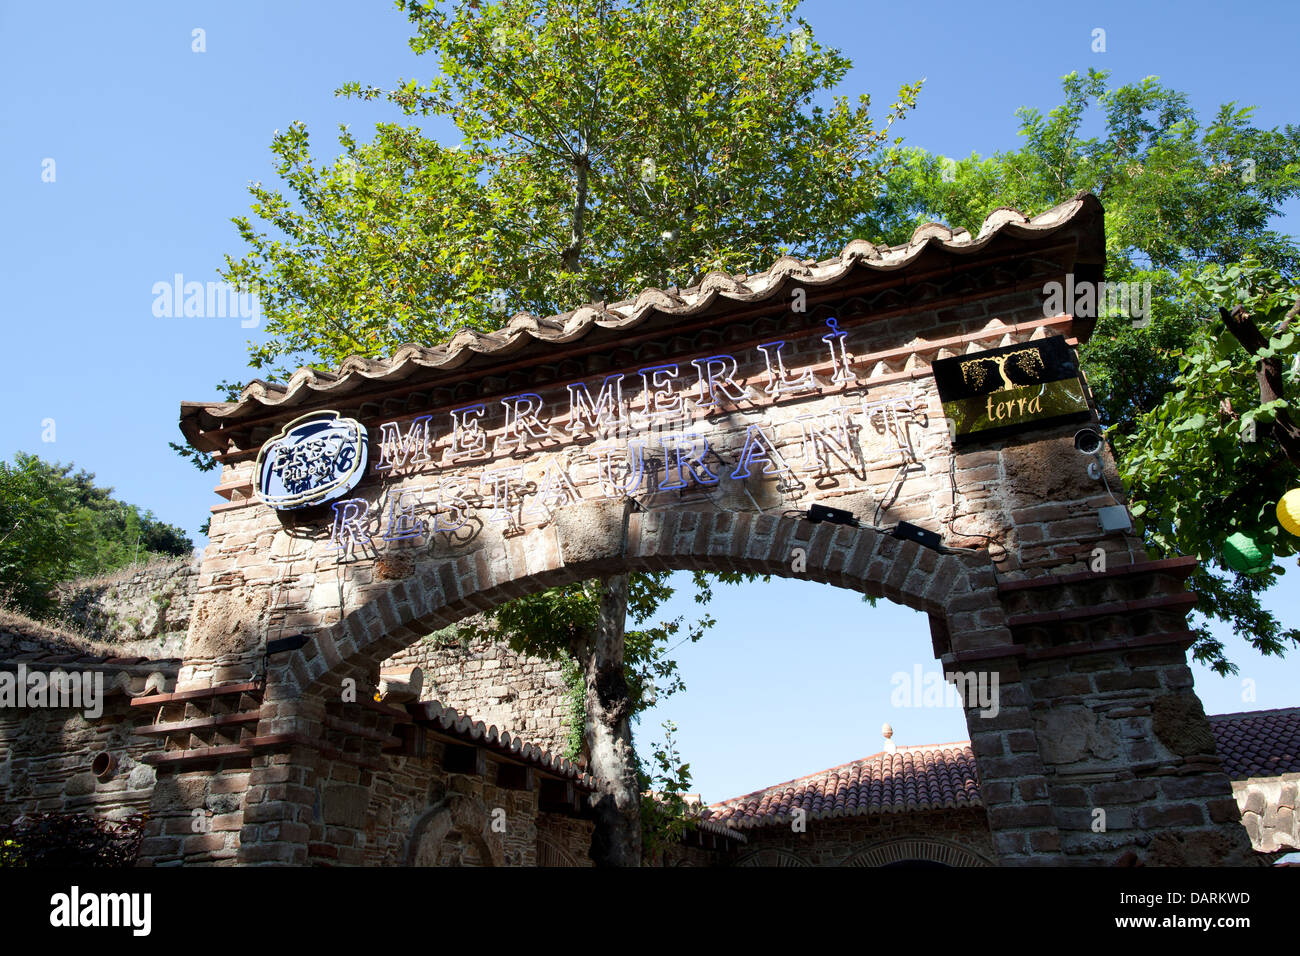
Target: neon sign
{"points": [[619, 444]]}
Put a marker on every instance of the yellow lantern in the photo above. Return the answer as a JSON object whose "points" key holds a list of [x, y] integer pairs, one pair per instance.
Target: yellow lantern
{"points": [[1288, 511]]}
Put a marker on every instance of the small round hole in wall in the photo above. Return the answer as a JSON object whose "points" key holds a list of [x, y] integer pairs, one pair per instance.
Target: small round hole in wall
{"points": [[103, 765]]}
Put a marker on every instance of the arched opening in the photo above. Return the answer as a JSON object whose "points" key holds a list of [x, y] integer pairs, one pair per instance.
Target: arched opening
{"points": [[860, 560]]}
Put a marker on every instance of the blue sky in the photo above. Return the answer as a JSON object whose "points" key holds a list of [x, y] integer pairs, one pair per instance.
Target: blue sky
{"points": [[153, 145]]}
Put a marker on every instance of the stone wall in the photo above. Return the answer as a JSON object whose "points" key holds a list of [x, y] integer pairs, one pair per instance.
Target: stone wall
{"points": [[46, 755], [417, 814], [46, 751], [488, 681], [151, 602], [563, 841]]}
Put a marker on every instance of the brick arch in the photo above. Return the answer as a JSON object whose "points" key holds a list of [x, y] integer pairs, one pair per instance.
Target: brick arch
{"points": [[957, 590], [771, 856], [925, 849]]}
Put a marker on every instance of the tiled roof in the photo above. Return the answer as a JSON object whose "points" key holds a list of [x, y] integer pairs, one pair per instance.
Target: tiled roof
{"points": [[934, 777], [526, 333], [449, 722], [1260, 743]]}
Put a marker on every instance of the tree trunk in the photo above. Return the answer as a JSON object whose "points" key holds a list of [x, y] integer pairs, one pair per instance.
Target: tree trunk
{"points": [[617, 837], [571, 257]]}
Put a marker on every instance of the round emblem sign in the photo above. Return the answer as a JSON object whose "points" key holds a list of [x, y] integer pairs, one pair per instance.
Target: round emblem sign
{"points": [[314, 459]]}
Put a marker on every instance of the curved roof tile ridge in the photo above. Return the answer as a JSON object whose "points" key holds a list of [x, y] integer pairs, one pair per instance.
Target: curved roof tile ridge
{"points": [[524, 328]]}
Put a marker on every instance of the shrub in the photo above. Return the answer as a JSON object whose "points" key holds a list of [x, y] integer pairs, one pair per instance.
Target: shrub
{"points": [[56, 839]]}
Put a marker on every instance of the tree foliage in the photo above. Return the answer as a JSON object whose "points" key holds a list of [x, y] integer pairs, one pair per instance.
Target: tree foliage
{"points": [[603, 146], [1204, 465], [666, 816], [1189, 209], [57, 524], [554, 622]]}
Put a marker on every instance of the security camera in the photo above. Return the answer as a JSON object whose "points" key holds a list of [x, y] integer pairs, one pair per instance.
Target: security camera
{"points": [[1087, 441]]}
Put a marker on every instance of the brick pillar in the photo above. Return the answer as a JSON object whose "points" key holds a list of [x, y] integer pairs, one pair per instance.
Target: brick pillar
{"points": [[1129, 756], [1013, 781], [280, 803], [175, 834], [1132, 760]]}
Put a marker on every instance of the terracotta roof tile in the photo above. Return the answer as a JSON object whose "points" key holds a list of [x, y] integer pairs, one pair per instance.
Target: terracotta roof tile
{"points": [[937, 776], [526, 332], [1260, 743], [934, 777]]}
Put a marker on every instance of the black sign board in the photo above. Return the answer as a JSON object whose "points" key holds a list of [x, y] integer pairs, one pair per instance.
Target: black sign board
{"points": [[988, 395]]}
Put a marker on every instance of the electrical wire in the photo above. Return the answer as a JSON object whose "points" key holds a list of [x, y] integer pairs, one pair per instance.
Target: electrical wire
{"points": [[952, 480]]}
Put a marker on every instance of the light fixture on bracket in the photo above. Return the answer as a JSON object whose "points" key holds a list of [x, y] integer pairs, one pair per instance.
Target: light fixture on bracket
{"points": [[906, 531], [819, 513], [1089, 441]]}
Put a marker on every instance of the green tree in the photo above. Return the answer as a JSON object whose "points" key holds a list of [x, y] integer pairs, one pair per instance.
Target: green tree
{"points": [[1211, 461], [57, 524], [603, 146], [1186, 203]]}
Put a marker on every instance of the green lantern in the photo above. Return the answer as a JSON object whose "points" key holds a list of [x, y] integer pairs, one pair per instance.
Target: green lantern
{"points": [[1245, 554]]}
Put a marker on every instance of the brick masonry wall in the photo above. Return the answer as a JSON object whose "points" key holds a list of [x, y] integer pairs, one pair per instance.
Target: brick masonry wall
{"points": [[177, 835], [563, 841], [260, 575], [876, 446], [691, 856], [401, 797], [46, 754], [844, 841]]}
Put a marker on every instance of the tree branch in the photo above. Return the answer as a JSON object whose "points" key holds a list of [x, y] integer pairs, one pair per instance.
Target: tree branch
{"points": [[1269, 373]]}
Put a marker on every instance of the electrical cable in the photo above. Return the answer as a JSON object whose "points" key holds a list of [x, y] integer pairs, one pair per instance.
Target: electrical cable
{"points": [[951, 525]]}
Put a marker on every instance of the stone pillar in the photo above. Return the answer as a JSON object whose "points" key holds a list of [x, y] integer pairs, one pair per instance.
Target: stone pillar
{"points": [[1013, 780]]}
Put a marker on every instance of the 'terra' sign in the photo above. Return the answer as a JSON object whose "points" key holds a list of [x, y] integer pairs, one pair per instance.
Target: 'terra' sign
{"points": [[992, 394]]}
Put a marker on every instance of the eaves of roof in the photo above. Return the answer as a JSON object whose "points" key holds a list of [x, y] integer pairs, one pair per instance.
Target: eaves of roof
{"points": [[527, 336]]}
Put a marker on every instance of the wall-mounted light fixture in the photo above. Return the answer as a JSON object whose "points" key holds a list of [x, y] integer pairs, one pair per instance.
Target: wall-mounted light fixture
{"points": [[906, 531], [1088, 441], [819, 513]]}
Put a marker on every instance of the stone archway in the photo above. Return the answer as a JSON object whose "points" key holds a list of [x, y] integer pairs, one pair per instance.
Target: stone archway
{"points": [[712, 428], [771, 856]]}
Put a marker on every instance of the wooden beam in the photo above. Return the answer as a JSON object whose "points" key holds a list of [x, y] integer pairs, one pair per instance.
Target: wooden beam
{"points": [[199, 723], [557, 796], [414, 741], [252, 688], [513, 776], [459, 758]]}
